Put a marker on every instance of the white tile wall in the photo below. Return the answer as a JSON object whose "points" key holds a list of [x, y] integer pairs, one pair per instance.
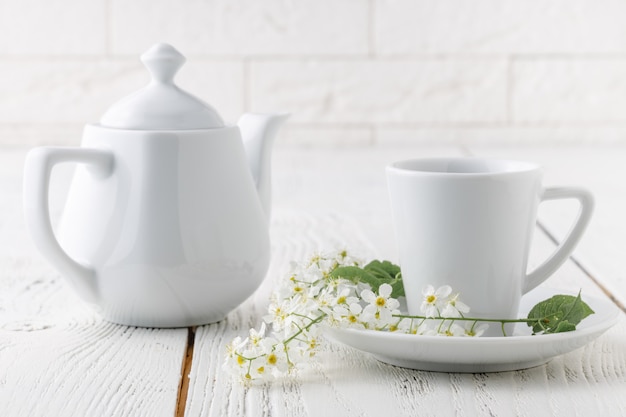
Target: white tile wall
{"points": [[243, 27], [569, 90], [499, 27], [56, 27], [383, 91], [352, 72]]}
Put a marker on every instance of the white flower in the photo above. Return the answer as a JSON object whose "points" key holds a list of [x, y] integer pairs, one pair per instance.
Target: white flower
{"points": [[257, 337], [454, 307], [283, 313], [434, 300], [473, 329], [277, 361], [309, 343], [451, 329], [278, 314], [348, 316], [383, 299], [311, 296], [376, 319], [343, 257], [233, 349], [346, 293], [259, 370], [419, 327], [378, 314], [326, 300]]}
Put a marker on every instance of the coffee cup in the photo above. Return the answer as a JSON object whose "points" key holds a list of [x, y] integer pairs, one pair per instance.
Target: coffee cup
{"points": [[468, 223]]}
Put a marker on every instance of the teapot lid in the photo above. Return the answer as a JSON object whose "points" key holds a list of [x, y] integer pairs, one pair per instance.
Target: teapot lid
{"points": [[161, 105]]}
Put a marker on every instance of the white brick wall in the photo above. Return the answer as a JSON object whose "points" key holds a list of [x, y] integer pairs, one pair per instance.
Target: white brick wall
{"points": [[352, 72]]}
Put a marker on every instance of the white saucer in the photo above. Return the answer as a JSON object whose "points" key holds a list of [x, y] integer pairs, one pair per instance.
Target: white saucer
{"points": [[482, 354]]}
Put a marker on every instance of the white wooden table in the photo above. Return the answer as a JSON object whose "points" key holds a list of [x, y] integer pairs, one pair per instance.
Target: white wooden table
{"points": [[57, 358]]}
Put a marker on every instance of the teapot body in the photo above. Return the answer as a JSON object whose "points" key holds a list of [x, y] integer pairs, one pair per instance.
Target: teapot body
{"points": [[175, 234], [166, 220]]}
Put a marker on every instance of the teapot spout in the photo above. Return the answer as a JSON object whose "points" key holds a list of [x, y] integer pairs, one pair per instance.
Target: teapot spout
{"points": [[258, 132]]}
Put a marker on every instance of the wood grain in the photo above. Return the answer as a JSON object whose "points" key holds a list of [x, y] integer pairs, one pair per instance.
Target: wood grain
{"points": [[57, 357], [344, 382], [296, 236]]}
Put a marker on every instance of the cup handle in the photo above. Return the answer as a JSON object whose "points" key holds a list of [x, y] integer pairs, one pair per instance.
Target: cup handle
{"points": [[565, 248], [37, 170]]}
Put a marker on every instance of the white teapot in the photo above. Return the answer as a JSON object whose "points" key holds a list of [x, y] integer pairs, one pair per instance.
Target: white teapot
{"points": [[166, 221]]}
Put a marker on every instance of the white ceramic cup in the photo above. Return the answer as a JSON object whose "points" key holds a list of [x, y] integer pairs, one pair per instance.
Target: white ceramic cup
{"points": [[468, 223]]}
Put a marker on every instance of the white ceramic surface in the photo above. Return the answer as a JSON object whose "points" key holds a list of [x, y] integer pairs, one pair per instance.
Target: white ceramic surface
{"points": [[162, 227], [482, 354], [468, 223], [161, 104]]}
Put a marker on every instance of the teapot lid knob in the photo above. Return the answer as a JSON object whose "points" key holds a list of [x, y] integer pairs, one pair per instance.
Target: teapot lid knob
{"points": [[163, 61], [161, 105]]}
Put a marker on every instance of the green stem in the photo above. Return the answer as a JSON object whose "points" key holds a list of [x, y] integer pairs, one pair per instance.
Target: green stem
{"points": [[406, 316], [289, 339], [307, 327], [474, 319], [304, 316]]}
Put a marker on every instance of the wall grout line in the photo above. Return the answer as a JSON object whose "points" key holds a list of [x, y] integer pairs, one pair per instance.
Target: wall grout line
{"points": [[510, 85], [613, 124], [371, 29], [183, 386], [108, 29], [370, 56], [247, 84]]}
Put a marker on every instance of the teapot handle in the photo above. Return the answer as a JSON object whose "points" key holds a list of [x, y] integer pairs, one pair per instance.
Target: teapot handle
{"points": [[37, 170]]}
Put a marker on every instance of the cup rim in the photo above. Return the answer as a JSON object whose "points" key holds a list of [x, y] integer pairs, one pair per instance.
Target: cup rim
{"points": [[434, 166]]}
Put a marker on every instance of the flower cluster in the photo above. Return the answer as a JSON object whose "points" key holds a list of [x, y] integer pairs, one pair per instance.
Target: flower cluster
{"points": [[313, 295]]}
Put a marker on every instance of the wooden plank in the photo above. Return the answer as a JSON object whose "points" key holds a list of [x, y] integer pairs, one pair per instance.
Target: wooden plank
{"points": [[313, 192], [322, 210], [58, 357], [342, 381], [296, 236]]}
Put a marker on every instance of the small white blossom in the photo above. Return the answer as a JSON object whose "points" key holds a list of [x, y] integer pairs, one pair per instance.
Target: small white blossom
{"points": [[233, 350], [454, 307], [277, 360], [419, 327], [434, 301], [281, 314], [348, 316], [311, 296], [383, 299], [473, 329], [346, 294], [378, 314], [257, 336], [326, 300], [451, 329]]}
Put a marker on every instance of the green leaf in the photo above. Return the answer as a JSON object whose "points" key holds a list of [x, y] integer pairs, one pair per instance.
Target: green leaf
{"points": [[560, 313], [356, 275], [384, 269], [388, 273], [564, 326], [375, 274]]}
